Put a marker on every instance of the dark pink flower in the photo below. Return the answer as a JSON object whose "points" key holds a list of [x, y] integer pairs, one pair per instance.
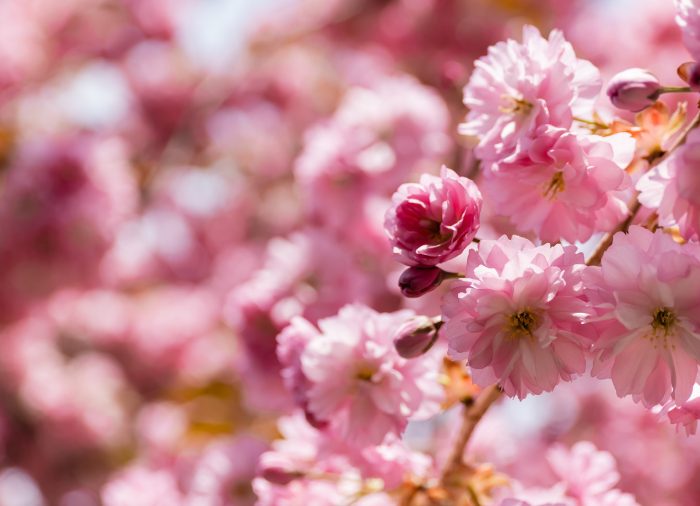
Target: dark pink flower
{"points": [[434, 220]]}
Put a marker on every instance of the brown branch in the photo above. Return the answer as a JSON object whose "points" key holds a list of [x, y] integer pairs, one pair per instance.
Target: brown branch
{"points": [[635, 206], [472, 415]]}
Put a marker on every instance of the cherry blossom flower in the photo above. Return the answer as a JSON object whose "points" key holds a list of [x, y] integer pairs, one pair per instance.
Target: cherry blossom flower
{"points": [[517, 317], [518, 87], [645, 292], [589, 475], [672, 188], [563, 185], [435, 220], [223, 474], [378, 138], [348, 374], [63, 200]]}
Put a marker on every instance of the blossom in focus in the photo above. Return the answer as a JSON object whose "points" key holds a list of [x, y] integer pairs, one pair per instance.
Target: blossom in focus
{"points": [[518, 316], [518, 87], [348, 374], [434, 220], [646, 296], [633, 89], [672, 188], [563, 185]]}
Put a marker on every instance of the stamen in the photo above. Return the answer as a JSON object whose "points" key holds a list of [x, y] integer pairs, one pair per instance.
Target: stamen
{"points": [[555, 186], [517, 106], [522, 323], [663, 320]]}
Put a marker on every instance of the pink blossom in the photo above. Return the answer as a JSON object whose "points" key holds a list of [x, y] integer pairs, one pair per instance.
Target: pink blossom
{"points": [[517, 317], [63, 200], [159, 427], [645, 292], [688, 18], [143, 486], [297, 279], [562, 185], [518, 87], [377, 139], [298, 492], [672, 188], [223, 473], [434, 220], [296, 461], [686, 415], [349, 374], [589, 475], [159, 18], [307, 455], [77, 401]]}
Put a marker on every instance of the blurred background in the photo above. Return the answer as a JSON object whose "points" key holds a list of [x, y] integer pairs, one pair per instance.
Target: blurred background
{"points": [[179, 178]]}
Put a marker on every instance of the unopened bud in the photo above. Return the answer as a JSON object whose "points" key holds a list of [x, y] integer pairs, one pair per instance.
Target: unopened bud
{"points": [[277, 469], [634, 89], [690, 73], [417, 281], [415, 337]]}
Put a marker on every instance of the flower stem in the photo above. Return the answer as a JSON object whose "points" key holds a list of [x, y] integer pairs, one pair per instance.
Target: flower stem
{"points": [[596, 124], [674, 89], [635, 206]]}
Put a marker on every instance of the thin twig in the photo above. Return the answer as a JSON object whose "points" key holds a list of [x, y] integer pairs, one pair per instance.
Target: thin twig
{"points": [[635, 206]]}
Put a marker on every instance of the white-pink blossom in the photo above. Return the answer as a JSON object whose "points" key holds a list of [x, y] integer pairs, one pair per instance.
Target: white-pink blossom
{"points": [[562, 185], [518, 87], [672, 188], [348, 374], [648, 304], [518, 316]]}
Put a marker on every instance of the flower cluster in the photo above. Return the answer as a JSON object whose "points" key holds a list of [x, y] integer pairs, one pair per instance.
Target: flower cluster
{"points": [[349, 252]]}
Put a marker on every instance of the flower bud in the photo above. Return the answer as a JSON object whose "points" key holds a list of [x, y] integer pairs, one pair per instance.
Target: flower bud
{"points": [[433, 221], [415, 337], [634, 89], [690, 73], [276, 469], [417, 281]]}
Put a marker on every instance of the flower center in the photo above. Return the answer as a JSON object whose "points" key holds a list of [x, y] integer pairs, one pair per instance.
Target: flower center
{"points": [[432, 230], [555, 186], [663, 320], [515, 106], [365, 374], [523, 323]]}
